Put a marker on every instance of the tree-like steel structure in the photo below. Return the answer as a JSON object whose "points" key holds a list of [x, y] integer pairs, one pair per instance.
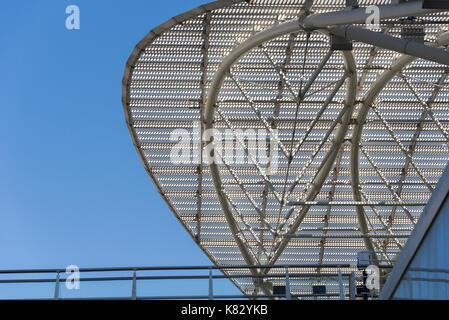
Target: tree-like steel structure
{"points": [[359, 117]]}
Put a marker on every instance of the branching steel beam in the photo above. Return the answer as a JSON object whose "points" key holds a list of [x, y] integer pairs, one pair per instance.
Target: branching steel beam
{"points": [[440, 85], [247, 226], [394, 194], [259, 114], [401, 146], [250, 156], [248, 196], [219, 77], [327, 163], [397, 67], [310, 161], [276, 112], [281, 72], [414, 140], [326, 103], [329, 208], [379, 217], [426, 108], [314, 75], [368, 66], [318, 148], [203, 68]]}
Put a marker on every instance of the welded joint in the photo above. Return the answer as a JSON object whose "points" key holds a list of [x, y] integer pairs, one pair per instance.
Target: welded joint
{"points": [[302, 25]]}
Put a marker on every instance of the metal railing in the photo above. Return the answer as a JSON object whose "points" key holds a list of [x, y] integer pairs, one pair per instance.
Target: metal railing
{"points": [[289, 276]]}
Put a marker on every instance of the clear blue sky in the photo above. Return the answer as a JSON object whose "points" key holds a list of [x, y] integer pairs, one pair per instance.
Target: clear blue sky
{"points": [[72, 188]]}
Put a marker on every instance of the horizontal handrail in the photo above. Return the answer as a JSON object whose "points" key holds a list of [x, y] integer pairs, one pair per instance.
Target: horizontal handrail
{"points": [[263, 276], [223, 267]]}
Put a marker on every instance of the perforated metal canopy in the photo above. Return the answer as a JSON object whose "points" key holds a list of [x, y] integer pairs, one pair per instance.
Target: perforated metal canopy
{"points": [[361, 135]]}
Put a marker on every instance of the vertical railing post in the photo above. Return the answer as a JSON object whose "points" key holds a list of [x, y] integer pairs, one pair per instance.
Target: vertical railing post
{"points": [[287, 285], [134, 288], [211, 285], [56, 296], [340, 282], [352, 288]]}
